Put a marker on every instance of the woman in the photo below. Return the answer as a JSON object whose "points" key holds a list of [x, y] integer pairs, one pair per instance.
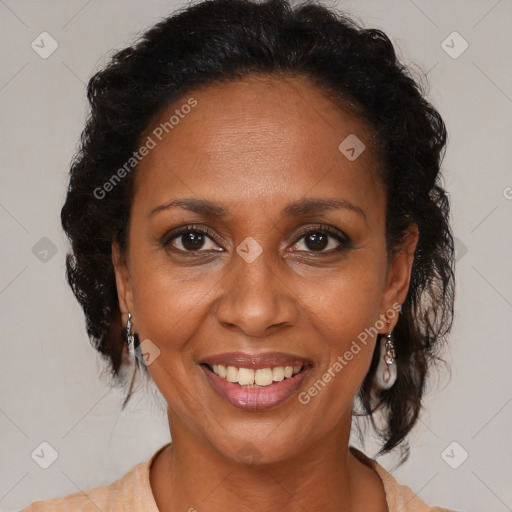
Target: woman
{"points": [[257, 224]]}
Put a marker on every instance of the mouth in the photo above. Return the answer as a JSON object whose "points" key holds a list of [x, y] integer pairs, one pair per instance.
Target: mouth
{"points": [[254, 383], [254, 378]]}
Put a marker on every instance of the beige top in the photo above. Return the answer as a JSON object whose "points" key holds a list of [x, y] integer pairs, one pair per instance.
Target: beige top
{"points": [[132, 493]]}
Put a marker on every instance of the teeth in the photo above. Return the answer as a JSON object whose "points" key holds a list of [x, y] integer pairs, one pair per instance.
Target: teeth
{"points": [[245, 376], [263, 377], [278, 373], [253, 378], [231, 374]]}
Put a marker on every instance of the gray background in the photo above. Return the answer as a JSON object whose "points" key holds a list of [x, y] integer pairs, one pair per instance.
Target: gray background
{"points": [[51, 389]]}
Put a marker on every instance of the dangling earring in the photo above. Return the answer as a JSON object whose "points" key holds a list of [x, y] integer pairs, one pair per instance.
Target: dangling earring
{"points": [[386, 373], [130, 338]]}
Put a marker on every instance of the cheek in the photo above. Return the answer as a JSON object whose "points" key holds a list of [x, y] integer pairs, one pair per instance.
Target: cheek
{"points": [[348, 340], [169, 309], [349, 298], [346, 313], [169, 312]]}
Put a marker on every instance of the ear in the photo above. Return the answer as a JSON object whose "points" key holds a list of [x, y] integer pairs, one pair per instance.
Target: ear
{"points": [[123, 282], [399, 275]]}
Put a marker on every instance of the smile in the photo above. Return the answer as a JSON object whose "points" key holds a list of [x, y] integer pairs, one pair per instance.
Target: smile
{"points": [[261, 387], [261, 377]]}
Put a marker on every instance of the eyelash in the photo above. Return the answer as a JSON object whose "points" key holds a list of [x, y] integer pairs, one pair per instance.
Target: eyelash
{"points": [[343, 240]]}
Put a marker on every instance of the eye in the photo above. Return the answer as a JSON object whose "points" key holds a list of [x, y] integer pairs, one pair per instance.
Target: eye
{"points": [[319, 239], [192, 239], [322, 239]]}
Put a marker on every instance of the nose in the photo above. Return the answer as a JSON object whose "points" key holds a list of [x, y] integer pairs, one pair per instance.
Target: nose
{"points": [[257, 298]]}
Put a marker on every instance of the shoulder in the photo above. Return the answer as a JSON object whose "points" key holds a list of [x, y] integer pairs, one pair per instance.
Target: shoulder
{"points": [[400, 498], [122, 491], [130, 492]]}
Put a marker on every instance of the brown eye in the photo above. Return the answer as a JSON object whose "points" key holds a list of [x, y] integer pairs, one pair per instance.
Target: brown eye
{"points": [[322, 240], [316, 241], [192, 239]]}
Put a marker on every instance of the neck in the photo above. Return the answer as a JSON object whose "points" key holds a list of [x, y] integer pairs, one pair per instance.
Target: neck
{"points": [[191, 475]]}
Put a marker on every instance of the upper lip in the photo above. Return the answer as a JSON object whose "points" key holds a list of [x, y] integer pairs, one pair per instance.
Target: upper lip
{"points": [[255, 361]]}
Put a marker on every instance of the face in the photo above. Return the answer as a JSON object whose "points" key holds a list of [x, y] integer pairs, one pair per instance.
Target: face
{"points": [[283, 263]]}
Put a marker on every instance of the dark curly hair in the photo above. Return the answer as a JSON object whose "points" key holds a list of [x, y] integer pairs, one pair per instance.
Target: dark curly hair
{"points": [[224, 40]]}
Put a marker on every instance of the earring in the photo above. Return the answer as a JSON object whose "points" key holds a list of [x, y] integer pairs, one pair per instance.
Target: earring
{"points": [[130, 338], [386, 373]]}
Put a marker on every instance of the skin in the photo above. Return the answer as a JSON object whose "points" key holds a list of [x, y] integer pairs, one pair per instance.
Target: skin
{"points": [[254, 146]]}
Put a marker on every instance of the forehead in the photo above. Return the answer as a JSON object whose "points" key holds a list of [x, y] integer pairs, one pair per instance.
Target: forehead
{"points": [[256, 137]]}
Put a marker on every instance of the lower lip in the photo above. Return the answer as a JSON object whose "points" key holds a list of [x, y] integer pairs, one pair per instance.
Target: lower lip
{"points": [[255, 399]]}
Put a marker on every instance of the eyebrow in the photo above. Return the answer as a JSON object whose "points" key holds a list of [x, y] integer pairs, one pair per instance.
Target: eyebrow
{"points": [[298, 208]]}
